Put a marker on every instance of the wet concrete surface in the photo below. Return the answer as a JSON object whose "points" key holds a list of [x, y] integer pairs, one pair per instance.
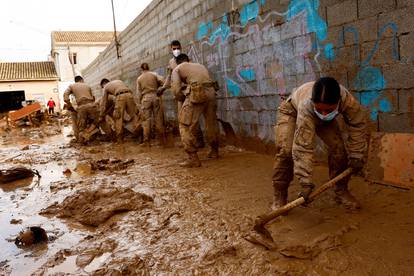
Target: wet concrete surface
{"points": [[196, 220]]}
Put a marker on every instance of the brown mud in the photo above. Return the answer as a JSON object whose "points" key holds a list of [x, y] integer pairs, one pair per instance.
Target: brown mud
{"points": [[151, 217]]}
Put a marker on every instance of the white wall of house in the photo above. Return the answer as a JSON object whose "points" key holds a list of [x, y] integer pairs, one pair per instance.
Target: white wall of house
{"points": [[40, 91], [85, 54]]}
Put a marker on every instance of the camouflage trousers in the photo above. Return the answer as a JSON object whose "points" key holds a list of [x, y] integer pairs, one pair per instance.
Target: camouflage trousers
{"points": [[153, 114], [285, 128], [189, 122], [77, 116], [124, 103]]}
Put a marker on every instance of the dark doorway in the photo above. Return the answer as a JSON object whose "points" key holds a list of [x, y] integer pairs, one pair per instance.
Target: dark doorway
{"points": [[11, 100]]}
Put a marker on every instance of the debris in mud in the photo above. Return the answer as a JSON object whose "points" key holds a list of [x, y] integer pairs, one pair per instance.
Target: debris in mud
{"points": [[67, 171], [16, 221], [32, 235], [93, 208], [95, 251], [25, 147], [125, 266], [16, 173], [111, 164]]}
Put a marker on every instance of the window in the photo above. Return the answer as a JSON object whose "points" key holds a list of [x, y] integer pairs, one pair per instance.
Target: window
{"points": [[73, 58]]}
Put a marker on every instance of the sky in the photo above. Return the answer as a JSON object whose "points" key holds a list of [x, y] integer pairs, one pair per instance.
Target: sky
{"points": [[25, 25]]}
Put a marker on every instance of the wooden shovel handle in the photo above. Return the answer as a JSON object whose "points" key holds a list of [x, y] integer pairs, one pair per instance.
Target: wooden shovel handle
{"points": [[263, 219]]}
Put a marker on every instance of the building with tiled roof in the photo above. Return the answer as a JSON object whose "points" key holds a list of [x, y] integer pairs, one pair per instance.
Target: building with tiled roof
{"points": [[73, 51], [81, 37], [27, 71], [27, 81]]}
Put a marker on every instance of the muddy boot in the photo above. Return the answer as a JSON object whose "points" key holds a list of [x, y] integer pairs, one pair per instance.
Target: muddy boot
{"points": [[199, 139], [200, 144], [214, 152], [345, 198], [145, 144], [279, 199], [192, 161]]}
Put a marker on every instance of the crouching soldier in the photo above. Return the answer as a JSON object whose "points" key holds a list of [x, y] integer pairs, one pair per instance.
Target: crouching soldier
{"points": [[83, 95], [200, 99], [124, 102], [312, 110]]}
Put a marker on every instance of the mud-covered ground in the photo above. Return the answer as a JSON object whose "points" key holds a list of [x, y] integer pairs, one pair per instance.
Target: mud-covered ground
{"points": [[114, 209]]}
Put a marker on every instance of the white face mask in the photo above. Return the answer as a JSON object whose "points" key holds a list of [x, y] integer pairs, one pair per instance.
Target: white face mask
{"points": [[327, 117], [176, 52]]}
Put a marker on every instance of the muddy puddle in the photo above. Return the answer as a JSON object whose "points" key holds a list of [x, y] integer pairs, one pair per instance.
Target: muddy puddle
{"points": [[114, 209]]}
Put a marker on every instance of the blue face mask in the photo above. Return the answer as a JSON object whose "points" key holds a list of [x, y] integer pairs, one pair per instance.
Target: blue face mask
{"points": [[327, 117]]}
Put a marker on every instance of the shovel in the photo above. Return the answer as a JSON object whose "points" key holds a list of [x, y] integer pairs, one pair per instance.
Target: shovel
{"points": [[262, 220], [229, 132]]}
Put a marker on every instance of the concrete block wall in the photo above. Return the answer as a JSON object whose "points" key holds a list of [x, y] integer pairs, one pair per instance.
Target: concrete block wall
{"points": [[260, 50]]}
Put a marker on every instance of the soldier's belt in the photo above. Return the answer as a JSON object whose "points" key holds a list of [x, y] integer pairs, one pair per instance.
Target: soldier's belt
{"points": [[122, 92], [84, 101]]}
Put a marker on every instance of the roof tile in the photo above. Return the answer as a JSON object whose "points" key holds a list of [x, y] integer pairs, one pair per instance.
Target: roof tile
{"points": [[81, 36], [21, 71]]}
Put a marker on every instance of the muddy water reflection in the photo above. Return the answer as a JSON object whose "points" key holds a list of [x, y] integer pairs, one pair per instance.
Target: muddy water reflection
{"points": [[23, 199]]}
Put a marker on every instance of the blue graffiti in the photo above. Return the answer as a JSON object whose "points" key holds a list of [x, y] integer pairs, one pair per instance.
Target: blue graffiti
{"points": [[222, 31], [371, 82], [248, 74], [232, 87], [369, 79], [249, 12], [203, 30], [329, 51], [394, 43], [315, 23], [385, 105]]}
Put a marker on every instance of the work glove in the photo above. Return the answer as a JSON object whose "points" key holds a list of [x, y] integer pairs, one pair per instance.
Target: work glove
{"points": [[306, 191], [160, 91], [356, 164]]}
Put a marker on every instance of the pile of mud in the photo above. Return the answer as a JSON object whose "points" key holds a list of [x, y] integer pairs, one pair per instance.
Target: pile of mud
{"points": [[93, 208]]}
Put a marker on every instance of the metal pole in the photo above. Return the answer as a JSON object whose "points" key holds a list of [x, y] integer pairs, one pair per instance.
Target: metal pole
{"points": [[116, 37]]}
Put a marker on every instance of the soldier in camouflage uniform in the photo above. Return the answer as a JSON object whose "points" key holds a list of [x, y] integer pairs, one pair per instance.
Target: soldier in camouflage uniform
{"points": [[176, 51], [124, 103], [200, 99], [83, 96], [312, 110], [151, 105]]}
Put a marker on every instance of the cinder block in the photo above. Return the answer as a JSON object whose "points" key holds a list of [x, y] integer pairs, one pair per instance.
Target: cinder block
{"points": [[342, 12], [271, 34], [406, 100], [361, 31], [284, 50], [373, 7], [402, 20], [302, 44], [294, 27], [386, 52], [345, 58], [267, 117], [393, 122], [406, 45], [399, 76]]}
